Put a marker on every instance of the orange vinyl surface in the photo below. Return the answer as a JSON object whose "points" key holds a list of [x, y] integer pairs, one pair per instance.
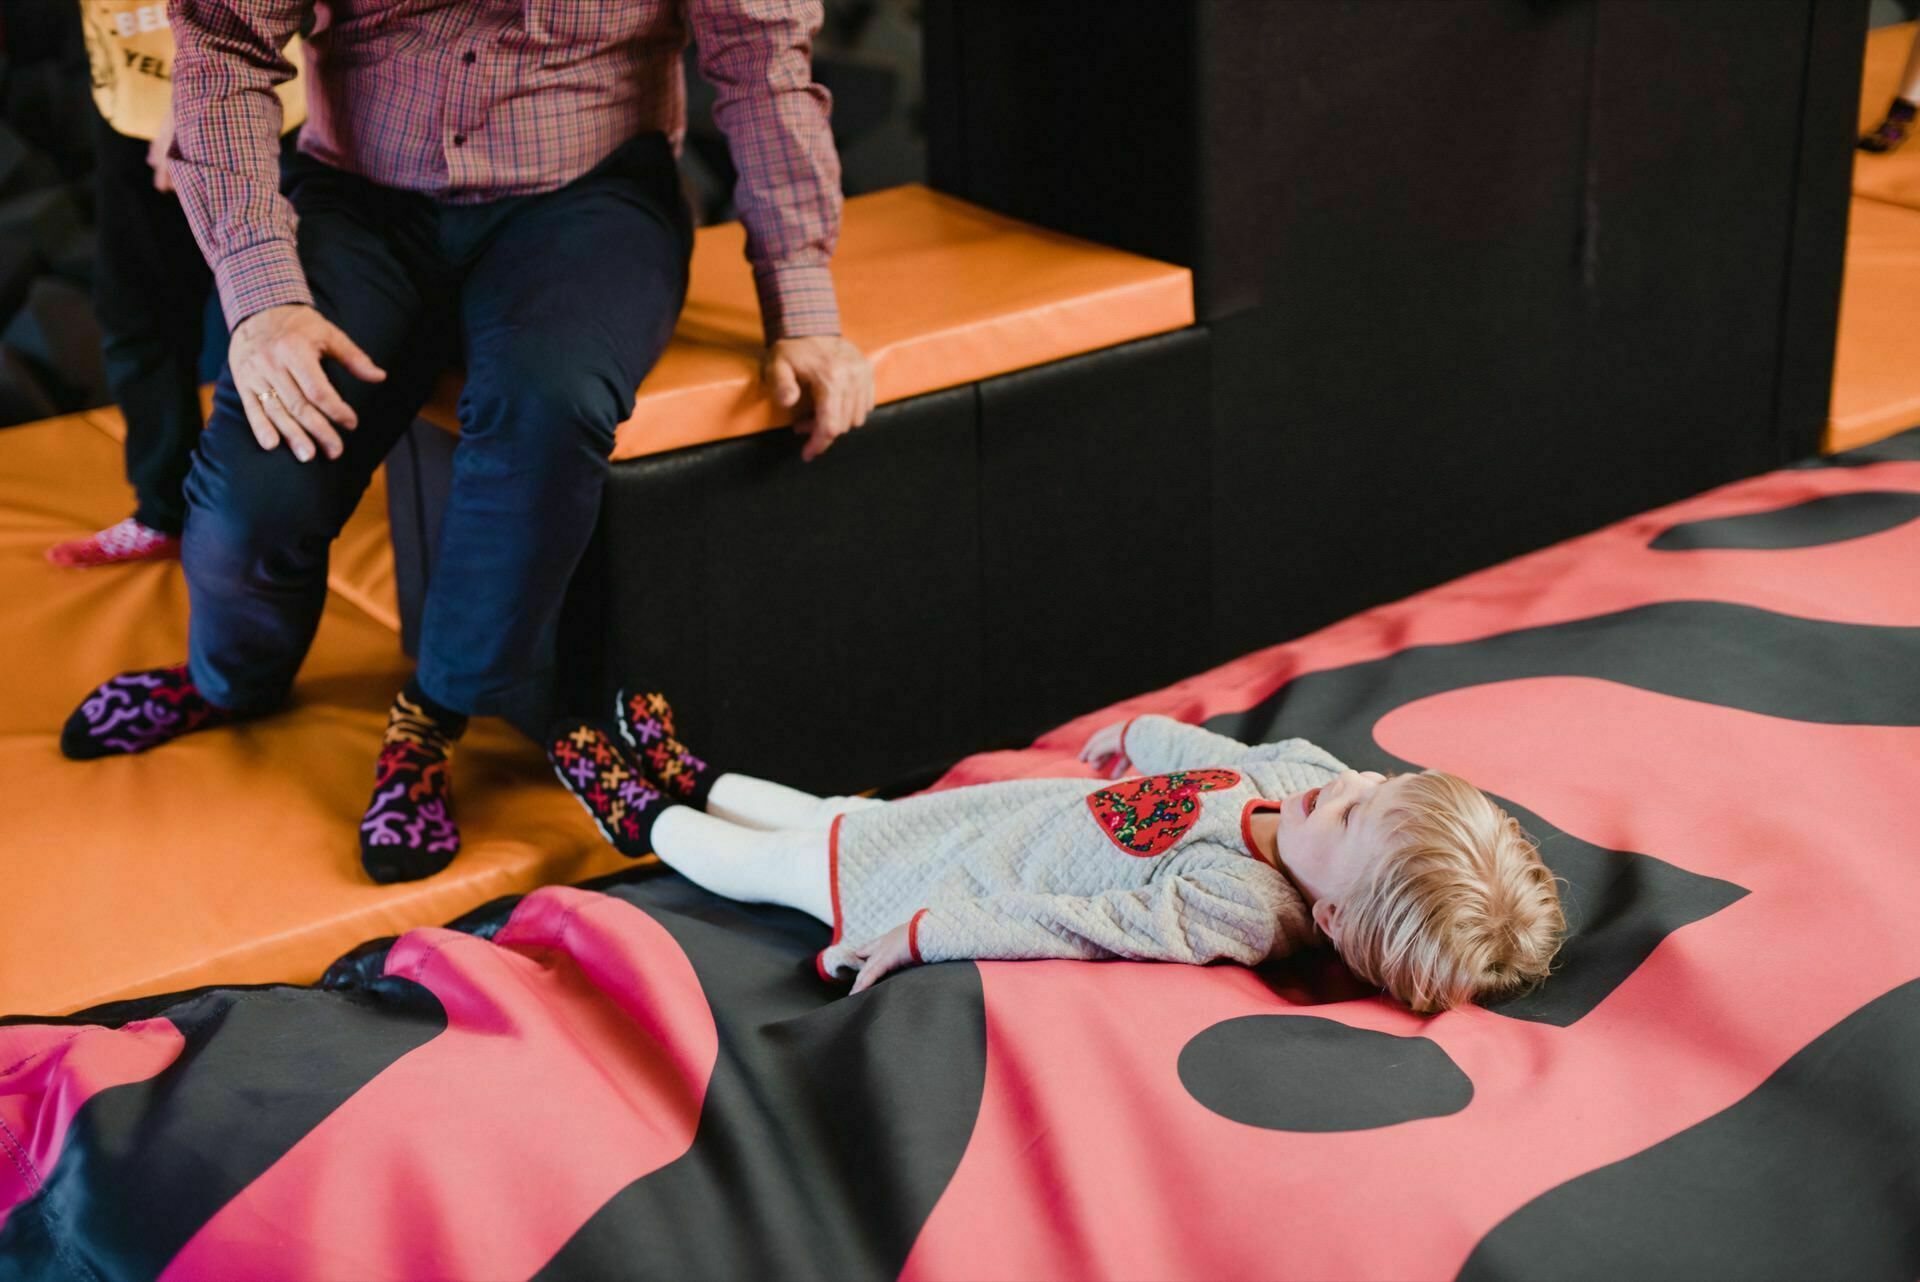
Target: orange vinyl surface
{"points": [[1894, 177], [232, 855], [937, 292], [1876, 362]]}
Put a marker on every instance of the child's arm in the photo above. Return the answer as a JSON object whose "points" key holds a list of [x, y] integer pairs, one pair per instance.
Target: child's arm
{"points": [[1153, 744]]}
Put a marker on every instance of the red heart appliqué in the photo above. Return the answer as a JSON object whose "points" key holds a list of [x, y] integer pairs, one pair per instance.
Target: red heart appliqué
{"points": [[1146, 816]]}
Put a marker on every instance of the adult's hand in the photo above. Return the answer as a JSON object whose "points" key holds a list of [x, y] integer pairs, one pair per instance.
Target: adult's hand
{"points": [[275, 359], [828, 379]]}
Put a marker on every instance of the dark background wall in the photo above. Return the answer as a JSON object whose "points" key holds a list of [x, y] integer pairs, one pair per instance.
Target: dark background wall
{"points": [[1519, 267]]}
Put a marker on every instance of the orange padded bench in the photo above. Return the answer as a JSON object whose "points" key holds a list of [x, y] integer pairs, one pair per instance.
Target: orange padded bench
{"points": [[1895, 177], [936, 291], [1876, 366]]}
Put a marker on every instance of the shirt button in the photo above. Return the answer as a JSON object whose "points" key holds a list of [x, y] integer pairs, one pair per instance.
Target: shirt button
{"points": [[467, 57], [459, 140]]}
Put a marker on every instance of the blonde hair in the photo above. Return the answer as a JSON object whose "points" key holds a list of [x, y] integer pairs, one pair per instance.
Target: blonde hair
{"points": [[1459, 905]]}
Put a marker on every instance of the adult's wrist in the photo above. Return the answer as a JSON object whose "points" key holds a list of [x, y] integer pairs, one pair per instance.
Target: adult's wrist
{"points": [[253, 279]]}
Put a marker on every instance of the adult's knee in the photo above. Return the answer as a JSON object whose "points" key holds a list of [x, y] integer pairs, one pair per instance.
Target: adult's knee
{"points": [[251, 502], [543, 397]]}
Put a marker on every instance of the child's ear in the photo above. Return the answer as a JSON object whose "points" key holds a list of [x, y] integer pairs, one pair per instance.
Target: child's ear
{"points": [[1326, 915]]}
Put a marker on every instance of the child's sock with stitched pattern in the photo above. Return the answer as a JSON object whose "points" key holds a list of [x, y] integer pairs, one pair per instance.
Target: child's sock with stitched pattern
{"points": [[123, 541], [646, 722], [597, 769], [408, 831], [136, 711], [1894, 129]]}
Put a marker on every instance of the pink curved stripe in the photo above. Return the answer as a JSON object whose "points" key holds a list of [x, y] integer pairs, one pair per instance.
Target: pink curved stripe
{"points": [[576, 1059], [47, 1071], [1863, 580], [1089, 1159]]}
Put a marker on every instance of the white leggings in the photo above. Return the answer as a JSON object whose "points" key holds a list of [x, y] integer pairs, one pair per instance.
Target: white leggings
{"points": [[760, 842]]}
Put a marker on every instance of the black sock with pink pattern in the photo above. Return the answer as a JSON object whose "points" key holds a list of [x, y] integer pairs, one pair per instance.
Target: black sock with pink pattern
{"points": [[647, 724], [1894, 129], [597, 769], [408, 831], [136, 711]]}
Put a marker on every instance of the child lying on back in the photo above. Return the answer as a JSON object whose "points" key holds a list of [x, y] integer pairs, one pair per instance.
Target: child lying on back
{"points": [[1209, 850]]}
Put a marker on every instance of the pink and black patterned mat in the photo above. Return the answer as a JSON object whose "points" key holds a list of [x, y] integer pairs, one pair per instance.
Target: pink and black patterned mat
{"points": [[1709, 715]]}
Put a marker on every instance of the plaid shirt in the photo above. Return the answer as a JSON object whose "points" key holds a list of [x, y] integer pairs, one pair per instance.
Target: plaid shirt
{"points": [[480, 99]]}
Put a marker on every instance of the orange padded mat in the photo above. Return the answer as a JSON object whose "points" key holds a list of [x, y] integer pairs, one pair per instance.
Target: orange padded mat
{"points": [[937, 292], [230, 856], [1876, 365], [1895, 177]]}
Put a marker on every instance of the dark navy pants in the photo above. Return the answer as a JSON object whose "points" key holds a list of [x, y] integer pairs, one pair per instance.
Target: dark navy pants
{"points": [[150, 292], [559, 303]]}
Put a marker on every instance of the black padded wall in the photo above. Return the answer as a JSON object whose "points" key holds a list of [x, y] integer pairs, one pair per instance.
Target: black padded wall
{"points": [[1480, 275], [969, 568], [815, 623], [1095, 530]]}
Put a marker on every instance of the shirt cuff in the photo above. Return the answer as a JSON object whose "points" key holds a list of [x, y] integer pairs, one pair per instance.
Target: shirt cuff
{"points": [[258, 277], [797, 302]]}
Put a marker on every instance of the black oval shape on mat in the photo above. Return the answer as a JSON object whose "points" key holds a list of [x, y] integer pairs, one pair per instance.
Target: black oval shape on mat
{"points": [[1832, 518], [1303, 1073]]}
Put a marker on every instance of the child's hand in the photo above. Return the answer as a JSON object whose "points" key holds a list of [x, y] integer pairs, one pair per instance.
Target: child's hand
{"points": [[1103, 753], [881, 957]]}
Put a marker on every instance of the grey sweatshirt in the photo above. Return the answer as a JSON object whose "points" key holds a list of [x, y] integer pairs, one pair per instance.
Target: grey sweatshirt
{"points": [[1155, 867]]}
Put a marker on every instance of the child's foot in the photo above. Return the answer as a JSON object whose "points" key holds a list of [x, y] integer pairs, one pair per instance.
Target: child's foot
{"points": [[127, 541], [646, 722], [597, 770], [136, 711], [1894, 129], [408, 830]]}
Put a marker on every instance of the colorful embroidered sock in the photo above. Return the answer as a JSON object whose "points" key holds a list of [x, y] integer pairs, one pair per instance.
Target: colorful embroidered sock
{"points": [[136, 711], [1894, 129], [597, 770], [408, 830], [124, 541], [646, 723]]}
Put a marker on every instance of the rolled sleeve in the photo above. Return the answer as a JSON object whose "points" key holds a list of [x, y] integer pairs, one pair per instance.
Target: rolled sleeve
{"points": [[229, 60], [758, 55], [260, 276], [797, 301]]}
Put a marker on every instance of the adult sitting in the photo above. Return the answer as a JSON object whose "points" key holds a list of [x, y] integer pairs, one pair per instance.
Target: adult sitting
{"points": [[495, 179]]}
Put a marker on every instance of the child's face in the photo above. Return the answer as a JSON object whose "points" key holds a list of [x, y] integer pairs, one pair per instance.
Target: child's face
{"points": [[1329, 837]]}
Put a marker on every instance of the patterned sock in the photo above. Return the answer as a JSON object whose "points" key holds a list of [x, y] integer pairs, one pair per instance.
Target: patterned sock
{"points": [[408, 830], [125, 541], [1894, 129], [597, 769], [646, 723], [136, 711]]}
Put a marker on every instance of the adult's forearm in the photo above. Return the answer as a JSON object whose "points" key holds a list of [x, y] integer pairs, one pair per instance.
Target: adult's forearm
{"points": [[758, 55], [225, 159]]}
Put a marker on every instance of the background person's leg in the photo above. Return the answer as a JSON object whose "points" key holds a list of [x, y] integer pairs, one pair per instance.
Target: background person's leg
{"points": [[150, 294], [565, 309], [260, 523]]}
